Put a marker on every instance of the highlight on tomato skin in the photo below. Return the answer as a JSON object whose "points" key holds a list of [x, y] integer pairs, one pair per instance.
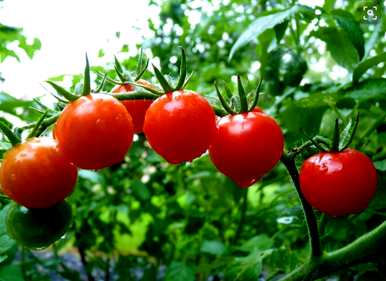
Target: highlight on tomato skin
{"points": [[338, 183], [94, 131], [180, 125], [246, 146], [136, 108], [35, 174], [38, 228]]}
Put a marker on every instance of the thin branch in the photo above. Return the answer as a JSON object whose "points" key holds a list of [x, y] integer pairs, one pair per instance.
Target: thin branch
{"points": [[312, 226]]}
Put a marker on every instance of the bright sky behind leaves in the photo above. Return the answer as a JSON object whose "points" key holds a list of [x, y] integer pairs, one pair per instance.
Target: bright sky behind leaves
{"points": [[68, 29]]}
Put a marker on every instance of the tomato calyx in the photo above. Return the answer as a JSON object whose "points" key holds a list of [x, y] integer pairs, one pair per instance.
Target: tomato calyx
{"points": [[166, 86], [125, 76], [243, 101], [37, 128]]}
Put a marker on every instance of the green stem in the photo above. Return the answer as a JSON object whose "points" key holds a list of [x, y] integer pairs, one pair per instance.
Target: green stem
{"points": [[243, 211], [134, 96], [46, 123], [364, 249], [312, 226]]}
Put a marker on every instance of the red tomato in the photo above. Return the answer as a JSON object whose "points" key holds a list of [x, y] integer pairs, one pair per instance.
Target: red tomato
{"points": [[36, 175], [179, 126], [338, 183], [136, 108], [246, 146], [94, 131]]}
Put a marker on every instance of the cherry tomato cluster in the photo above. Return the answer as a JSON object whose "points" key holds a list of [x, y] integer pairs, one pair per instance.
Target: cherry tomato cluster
{"points": [[96, 130]]}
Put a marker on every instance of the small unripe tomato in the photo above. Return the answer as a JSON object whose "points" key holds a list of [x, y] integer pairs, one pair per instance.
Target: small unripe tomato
{"points": [[136, 108], [35, 174], [180, 125], [94, 131], [38, 228], [338, 183], [246, 146]]}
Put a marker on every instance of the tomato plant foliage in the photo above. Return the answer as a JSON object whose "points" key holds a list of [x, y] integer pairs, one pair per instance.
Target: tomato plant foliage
{"points": [[142, 218]]}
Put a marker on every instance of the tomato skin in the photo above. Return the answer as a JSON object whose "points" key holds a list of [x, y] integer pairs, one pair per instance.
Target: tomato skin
{"points": [[338, 183], [136, 108], [246, 146], [180, 125], [38, 228], [36, 175], [94, 131]]}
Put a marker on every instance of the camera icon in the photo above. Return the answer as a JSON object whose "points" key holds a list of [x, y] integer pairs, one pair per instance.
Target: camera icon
{"points": [[370, 14]]}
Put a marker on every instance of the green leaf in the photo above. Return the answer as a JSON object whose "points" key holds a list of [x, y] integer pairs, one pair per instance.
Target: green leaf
{"points": [[280, 30], [213, 247], [380, 165], [261, 24], [9, 104], [347, 22], [339, 46], [140, 190], [6, 243], [178, 271], [258, 243], [371, 89], [374, 37], [91, 176], [362, 67], [11, 273], [245, 268]]}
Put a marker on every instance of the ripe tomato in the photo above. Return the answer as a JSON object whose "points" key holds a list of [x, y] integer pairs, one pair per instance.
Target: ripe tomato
{"points": [[36, 175], [179, 126], [38, 228], [338, 183], [246, 146], [136, 108], [94, 131]]}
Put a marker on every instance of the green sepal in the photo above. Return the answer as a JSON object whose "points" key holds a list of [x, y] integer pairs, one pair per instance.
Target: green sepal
{"points": [[141, 69], [187, 80], [12, 137], [47, 122], [222, 100], [118, 66], [58, 98], [87, 81], [100, 87], [36, 130], [348, 132], [152, 89], [242, 95], [182, 74], [108, 79], [62, 92], [314, 142], [162, 80], [219, 111], [256, 96], [119, 70], [336, 136]]}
